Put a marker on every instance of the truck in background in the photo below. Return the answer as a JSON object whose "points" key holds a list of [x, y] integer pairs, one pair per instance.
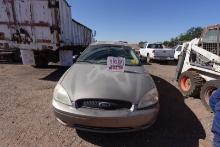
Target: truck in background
{"points": [[156, 51], [41, 31], [178, 50]]}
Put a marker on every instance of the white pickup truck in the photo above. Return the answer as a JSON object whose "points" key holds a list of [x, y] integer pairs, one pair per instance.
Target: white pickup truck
{"points": [[178, 50], [156, 51]]}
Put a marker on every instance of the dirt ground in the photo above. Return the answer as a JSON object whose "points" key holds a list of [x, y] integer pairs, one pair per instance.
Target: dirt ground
{"points": [[26, 114]]}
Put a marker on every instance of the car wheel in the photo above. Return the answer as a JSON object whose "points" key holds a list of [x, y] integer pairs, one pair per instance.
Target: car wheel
{"points": [[190, 83], [148, 58], [178, 58], [207, 90], [143, 59], [41, 62]]}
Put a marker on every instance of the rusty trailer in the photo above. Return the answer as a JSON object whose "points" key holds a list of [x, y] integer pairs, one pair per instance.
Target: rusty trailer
{"points": [[43, 31]]}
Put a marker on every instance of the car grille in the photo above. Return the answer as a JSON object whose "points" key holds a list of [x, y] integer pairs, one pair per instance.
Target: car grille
{"points": [[102, 104]]}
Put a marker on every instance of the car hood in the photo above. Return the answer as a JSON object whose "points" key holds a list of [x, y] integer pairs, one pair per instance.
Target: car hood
{"points": [[96, 82]]}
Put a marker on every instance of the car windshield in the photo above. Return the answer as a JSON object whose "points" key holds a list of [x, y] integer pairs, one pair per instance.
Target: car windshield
{"points": [[179, 48], [99, 55], [155, 46]]}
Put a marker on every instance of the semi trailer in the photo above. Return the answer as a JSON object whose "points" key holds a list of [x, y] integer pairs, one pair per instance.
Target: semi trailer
{"points": [[40, 31]]}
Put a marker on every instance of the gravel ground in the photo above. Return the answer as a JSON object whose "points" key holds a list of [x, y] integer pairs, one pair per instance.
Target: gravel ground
{"points": [[26, 115]]}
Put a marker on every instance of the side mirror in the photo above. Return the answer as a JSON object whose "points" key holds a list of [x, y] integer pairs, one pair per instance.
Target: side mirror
{"points": [[75, 57]]}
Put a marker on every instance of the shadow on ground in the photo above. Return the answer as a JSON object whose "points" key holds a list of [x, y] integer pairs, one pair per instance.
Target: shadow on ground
{"points": [[176, 126], [57, 74], [10, 63], [169, 63]]}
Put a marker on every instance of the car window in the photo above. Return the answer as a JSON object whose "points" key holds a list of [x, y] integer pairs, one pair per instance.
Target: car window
{"points": [[179, 48], [155, 46], [99, 54]]}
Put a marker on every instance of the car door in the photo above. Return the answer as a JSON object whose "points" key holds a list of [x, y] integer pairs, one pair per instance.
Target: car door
{"points": [[178, 50]]}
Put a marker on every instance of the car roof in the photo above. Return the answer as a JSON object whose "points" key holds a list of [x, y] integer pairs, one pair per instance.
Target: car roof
{"points": [[110, 43]]}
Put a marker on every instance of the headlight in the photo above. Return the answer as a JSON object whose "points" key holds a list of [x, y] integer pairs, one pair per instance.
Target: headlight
{"points": [[150, 98], [61, 95]]}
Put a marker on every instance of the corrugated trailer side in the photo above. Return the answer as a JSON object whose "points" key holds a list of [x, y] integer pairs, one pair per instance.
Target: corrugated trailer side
{"points": [[5, 19], [42, 30], [65, 22], [30, 26], [7, 28], [82, 35]]}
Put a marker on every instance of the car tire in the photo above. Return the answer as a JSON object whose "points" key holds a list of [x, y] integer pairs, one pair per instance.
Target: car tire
{"points": [[148, 58], [16, 58], [178, 58], [41, 62], [143, 59], [190, 83], [207, 90]]}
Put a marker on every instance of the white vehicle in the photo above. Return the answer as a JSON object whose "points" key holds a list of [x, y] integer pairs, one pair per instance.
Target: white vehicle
{"points": [[198, 70], [178, 51], [156, 51]]}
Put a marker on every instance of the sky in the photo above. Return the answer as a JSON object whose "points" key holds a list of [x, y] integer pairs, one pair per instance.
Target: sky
{"points": [[144, 20]]}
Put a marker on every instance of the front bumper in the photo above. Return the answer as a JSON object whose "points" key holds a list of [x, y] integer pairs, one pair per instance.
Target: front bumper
{"points": [[105, 121], [161, 58], [176, 56]]}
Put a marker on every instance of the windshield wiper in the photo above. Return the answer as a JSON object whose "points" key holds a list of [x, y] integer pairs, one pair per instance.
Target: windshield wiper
{"points": [[86, 61], [129, 71]]}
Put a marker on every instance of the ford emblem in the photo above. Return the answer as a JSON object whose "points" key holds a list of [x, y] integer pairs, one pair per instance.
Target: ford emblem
{"points": [[104, 105]]}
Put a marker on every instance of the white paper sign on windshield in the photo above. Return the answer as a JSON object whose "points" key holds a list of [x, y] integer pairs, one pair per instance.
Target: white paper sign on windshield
{"points": [[116, 64]]}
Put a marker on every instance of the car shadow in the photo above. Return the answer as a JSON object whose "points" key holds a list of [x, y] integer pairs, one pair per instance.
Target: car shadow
{"points": [[57, 74], [170, 63], [177, 125], [10, 63]]}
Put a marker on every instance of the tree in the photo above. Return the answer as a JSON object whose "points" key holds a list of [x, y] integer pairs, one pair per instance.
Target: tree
{"points": [[190, 34]]}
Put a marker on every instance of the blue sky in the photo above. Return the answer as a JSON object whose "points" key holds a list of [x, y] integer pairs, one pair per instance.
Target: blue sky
{"points": [[147, 20]]}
